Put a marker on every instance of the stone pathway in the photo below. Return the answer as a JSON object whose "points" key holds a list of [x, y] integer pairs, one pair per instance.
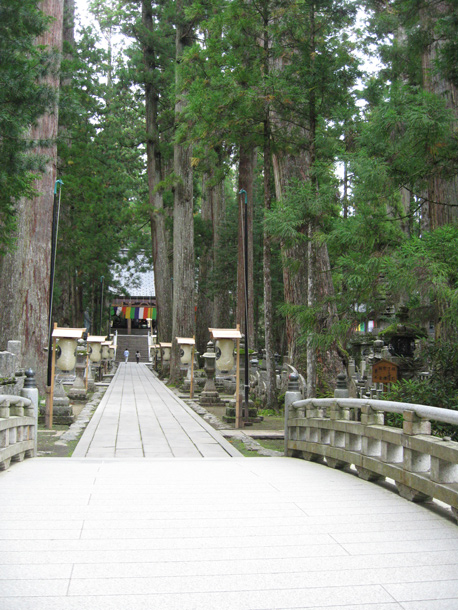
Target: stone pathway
{"points": [[140, 417], [112, 531]]}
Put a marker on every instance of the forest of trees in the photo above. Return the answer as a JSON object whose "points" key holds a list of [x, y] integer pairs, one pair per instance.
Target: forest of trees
{"points": [[337, 118]]}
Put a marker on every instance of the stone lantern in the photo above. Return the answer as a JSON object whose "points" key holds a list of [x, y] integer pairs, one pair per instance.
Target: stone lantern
{"points": [[155, 353], [105, 350], [67, 340], [95, 348], [186, 349], [78, 391], [166, 349], [65, 354], [209, 395], [224, 355], [94, 344], [224, 343], [401, 336]]}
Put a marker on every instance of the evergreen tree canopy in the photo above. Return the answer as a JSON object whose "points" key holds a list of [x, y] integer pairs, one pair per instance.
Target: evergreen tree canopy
{"points": [[22, 100]]}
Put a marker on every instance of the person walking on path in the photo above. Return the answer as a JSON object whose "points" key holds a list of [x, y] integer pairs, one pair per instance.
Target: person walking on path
{"points": [[137, 355], [126, 355]]}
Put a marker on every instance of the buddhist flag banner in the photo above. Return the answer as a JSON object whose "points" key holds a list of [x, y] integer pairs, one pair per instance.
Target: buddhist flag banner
{"points": [[135, 313]]}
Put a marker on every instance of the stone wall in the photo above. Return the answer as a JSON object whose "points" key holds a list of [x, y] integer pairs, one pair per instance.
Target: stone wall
{"points": [[11, 373], [17, 413]]}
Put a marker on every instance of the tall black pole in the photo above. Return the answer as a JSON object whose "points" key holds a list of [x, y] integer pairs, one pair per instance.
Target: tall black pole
{"points": [[55, 229], [247, 385], [101, 303]]}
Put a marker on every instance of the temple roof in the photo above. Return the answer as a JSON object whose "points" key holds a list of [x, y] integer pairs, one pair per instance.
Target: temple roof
{"points": [[135, 278]]}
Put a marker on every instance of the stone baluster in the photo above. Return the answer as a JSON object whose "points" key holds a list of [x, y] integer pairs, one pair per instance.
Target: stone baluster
{"points": [[292, 394], [414, 460], [4, 434], [443, 466], [30, 391], [337, 437]]}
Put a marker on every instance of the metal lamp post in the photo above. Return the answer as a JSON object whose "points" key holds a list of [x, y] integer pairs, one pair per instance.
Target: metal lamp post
{"points": [[101, 303], [55, 228]]}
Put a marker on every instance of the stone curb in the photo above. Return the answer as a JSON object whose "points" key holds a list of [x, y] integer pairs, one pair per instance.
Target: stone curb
{"points": [[78, 426], [214, 421]]}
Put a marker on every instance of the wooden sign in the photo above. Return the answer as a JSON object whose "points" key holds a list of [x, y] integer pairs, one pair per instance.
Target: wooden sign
{"points": [[384, 371]]}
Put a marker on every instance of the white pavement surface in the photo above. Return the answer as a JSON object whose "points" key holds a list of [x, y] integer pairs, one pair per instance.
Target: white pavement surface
{"points": [[216, 534], [140, 417]]}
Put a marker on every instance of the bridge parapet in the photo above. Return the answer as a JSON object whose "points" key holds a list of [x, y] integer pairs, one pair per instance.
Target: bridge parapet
{"points": [[347, 431], [17, 429]]}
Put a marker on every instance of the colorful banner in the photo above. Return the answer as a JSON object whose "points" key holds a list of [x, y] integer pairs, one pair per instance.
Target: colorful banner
{"points": [[135, 313]]}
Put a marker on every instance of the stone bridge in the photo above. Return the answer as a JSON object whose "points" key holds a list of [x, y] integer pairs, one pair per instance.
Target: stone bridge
{"points": [[156, 510]]}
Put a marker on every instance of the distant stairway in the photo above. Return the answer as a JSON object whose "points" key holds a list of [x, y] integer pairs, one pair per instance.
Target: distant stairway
{"points": [[133, 343]]}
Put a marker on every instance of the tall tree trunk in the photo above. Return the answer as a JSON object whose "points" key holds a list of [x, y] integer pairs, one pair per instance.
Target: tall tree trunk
{"points": [[69, 23], [442, 193], [271, 385], [159, 234], [24, 273], [212, 302], [205, 317], [183, 222], [288, 168], [221, 313], [63, 310], [247, 164], [306, 269], [267, 276], [311, 354]]}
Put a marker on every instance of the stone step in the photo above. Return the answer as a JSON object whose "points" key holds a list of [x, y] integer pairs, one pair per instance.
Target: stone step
{"points": [[133, 343]]}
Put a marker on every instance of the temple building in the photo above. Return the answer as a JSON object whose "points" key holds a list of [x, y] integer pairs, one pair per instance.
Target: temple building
{"points": [[133, 309]]}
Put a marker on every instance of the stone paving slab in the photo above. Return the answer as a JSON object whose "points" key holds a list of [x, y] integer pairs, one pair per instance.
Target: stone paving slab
{"points": [[140, 417], [157, 511], [216, 533]]}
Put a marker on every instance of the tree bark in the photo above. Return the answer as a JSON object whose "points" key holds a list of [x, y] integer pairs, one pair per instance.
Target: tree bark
{"points": [[221, 310], [183, 324], [205, 308], [306, 269], [247, 164], [212, 303], [24, 273], [159, 233], [442, 193], [271, 389], [288, 168]]}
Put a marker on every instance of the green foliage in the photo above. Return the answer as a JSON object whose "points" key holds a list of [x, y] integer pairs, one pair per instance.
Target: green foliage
{"points": [[23, 99], [100, 153], [411, 132], [439, 389]]}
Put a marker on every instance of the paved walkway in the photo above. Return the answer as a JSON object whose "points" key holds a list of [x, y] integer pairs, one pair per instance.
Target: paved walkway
{"points": [[215, 533], [140, 417]]}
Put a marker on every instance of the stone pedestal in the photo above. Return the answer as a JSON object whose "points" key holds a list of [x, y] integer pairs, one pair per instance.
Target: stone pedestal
{"points": [[210, 395], [78, 390], [90, 378], [62, 410]]}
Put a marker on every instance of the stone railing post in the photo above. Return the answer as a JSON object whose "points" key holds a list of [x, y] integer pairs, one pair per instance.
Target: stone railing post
{"points": [[413, 460], [78, 390], [341, 390], [30, 391], [292, 394]]}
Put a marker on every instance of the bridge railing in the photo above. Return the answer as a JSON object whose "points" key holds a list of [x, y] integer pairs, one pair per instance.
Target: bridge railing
{"points": [[347, 431], [17, 429]]}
